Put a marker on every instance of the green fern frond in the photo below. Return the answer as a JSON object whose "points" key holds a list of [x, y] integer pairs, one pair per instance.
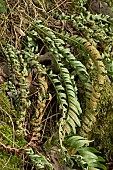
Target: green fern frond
{"points": [[85, 156], [69, 119], [55, 46], [20, 65], [60, 91], [18, 73], [39, 160], [93, 92], [73, 105]]}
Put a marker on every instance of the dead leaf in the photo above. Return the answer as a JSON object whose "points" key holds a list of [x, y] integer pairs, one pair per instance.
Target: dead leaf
{"points": [[19, 30]]}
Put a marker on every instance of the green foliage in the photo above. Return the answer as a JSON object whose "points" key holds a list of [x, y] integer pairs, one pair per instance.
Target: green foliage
{"points": [[109, 66], [3, 8], [86, 156], [56, 47], [39, 160], [10, 161], [64, 85], [70, 110], [30, 116]]}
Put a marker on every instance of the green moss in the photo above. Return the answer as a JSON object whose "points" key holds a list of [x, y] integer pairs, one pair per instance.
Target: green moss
{"points": [[103, 129], [7, 159], [9, 162]]}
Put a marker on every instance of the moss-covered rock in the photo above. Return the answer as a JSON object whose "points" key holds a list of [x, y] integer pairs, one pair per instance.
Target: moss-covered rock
{"points": [[102, 132]]}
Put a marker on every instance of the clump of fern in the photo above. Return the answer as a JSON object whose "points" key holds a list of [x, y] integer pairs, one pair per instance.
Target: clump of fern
{"points": [[64, 83], [74, 119], [100, 60], [66, 91]]}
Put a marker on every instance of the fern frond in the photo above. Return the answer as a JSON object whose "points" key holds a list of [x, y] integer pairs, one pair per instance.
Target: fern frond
{"points": [[74, 110], [55, 45], [60, 91], [41, 93], [21, 64], [18, 73], [94, 94], [69, 119], [39, 160], [85, 156]]}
